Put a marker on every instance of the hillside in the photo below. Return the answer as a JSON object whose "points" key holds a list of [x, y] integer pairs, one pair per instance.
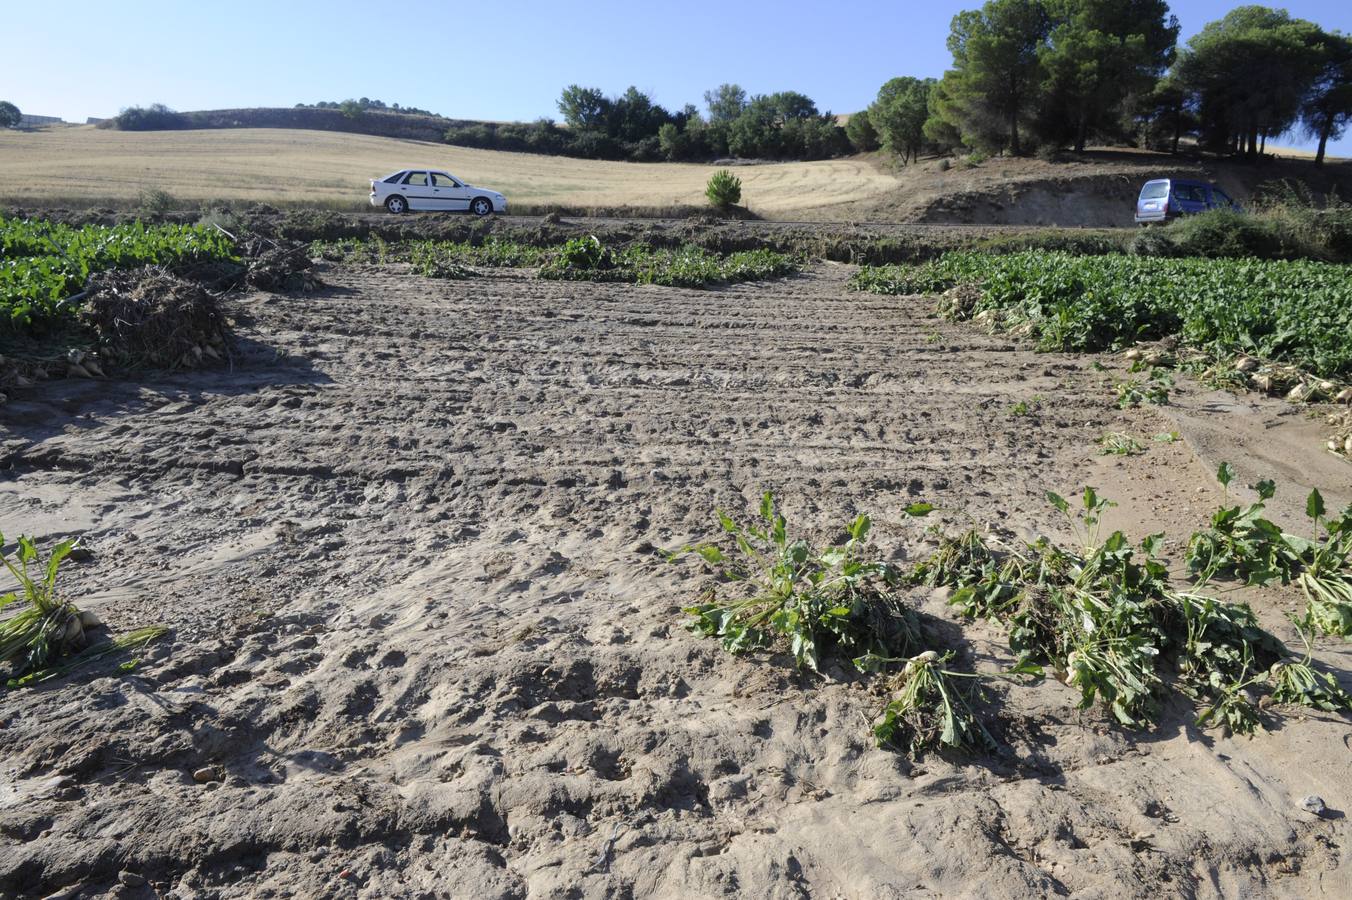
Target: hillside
{"points": [[89, 166], [86, 166]]}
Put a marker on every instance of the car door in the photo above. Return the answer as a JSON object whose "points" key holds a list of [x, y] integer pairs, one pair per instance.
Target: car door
{"points": [[449, 192], [417, 189], [1188, 198]]}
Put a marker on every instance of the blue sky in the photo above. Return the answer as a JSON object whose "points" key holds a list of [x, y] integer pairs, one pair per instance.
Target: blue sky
{"points": [[485, 60]]}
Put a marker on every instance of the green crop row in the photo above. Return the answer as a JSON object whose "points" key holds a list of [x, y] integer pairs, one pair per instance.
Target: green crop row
{"points": [[580, 259], [1292, 311], [42, 263]]}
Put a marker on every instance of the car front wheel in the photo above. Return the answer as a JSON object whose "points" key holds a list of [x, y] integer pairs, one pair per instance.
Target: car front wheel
{"points": [[481, 206], [396, 204]]}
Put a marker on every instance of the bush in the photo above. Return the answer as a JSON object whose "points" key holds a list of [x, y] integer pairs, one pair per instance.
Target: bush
{"points": [[1152, 242], [724, 189], [9, 114], [1225, 234], [156, 117], [156, 201]]}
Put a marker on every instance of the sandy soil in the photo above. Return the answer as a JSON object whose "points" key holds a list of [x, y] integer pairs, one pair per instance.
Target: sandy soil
{"points": [[423, 646]]}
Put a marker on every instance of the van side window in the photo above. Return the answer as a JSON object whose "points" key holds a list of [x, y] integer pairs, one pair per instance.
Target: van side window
{"points": [[1220, 198], [1190, 193]]}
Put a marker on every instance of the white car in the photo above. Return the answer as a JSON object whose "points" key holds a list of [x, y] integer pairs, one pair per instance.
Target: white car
{"points": [[435, 191]]}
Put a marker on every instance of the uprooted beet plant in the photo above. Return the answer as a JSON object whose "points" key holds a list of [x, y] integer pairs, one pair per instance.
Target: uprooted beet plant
{"points": [[1105, 619], [1243, 544], [47, 634], [833, 602]]}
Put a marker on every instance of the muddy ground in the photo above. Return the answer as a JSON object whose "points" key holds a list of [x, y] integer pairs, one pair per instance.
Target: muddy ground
{"points": [[423, 646]]}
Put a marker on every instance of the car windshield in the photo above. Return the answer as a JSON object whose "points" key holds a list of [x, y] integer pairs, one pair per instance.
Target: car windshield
{"points": [[1155, 190]]}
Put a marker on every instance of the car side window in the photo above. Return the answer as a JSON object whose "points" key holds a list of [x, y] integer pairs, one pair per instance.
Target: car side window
{"points": [[1219, 197], [441, 179], [1190, 193], [417, 178]]}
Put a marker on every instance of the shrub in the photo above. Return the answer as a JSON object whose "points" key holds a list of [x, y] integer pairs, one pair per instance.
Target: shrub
{"points": [[1226, 234], [9, 114], [724, 189], [156, 201], [156, 117]]}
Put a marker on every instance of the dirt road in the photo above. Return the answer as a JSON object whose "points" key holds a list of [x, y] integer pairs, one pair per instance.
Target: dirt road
{"points": [[423, 645]]}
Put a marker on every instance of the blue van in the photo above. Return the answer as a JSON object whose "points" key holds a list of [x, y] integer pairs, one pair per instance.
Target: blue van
{"points": [[1165, 199]]}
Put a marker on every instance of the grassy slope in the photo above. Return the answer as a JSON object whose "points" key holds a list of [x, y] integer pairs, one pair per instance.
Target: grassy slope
{"points": [[279, 165]]}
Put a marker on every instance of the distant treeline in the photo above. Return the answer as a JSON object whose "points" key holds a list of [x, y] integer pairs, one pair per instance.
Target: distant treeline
{"points": [[1052, 74], [1027, 75], [785, 125]]}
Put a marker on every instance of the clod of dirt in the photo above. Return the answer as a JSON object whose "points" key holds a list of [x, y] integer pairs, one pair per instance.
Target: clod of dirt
{"points": [[1313, 804], [148, 317]]}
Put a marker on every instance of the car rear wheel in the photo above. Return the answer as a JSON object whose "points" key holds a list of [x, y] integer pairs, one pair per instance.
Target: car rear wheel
{"points": [[396, 204], [481, 206]]}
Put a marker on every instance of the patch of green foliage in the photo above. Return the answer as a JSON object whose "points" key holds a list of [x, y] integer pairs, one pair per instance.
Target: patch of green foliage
{"points": [[1243, 544], [1153, 389], [833, 602], [579, 259], [1297, 312], [1119, 443], [1106, 619], [45, 637], [588, 259], [42, 264], [723, 190]]}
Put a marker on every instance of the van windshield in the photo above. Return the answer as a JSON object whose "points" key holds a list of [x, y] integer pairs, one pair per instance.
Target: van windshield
{"points": [[1155, 190]]}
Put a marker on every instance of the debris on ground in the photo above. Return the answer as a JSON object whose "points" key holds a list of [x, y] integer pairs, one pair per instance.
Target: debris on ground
{"points": [[150, 317], [279, 267]]}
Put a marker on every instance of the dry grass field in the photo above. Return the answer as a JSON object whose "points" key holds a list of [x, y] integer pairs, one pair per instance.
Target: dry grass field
{"points": [[89, 165]]}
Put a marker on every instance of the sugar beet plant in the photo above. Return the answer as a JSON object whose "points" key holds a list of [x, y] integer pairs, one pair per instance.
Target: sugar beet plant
{"points": [[1243, 544], [1105, 619], [43, 264], [1296, 312], [588, 259], [47, 634], [832, 602]]}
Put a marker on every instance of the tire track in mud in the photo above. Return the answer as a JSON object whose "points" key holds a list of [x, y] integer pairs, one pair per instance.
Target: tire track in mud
{"points": [[420, 628]]}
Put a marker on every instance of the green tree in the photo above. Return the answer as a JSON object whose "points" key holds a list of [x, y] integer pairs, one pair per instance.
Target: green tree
{"points": [[725, 103], [941, 130], [1098, 54], [863, 137], [1164, 114], [583, 109], [899, 115], [351, 109], [1327, 107], [997, 71], [1249, 73], [9, 114], [724, 189]]}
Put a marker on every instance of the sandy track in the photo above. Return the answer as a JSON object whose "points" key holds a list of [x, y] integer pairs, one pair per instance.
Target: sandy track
{"points": [[406, 545]]}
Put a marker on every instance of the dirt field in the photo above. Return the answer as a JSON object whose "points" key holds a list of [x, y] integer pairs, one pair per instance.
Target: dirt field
{"points": [[275, 165], [423, 646]]}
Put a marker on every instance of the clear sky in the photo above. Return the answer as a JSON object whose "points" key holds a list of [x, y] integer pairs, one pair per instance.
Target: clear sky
{"points": [[499, 60]]}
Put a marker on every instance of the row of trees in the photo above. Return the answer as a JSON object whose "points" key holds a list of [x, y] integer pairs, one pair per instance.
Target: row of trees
{"points": [[784, 125], [1060, 73], [355, 107]]}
